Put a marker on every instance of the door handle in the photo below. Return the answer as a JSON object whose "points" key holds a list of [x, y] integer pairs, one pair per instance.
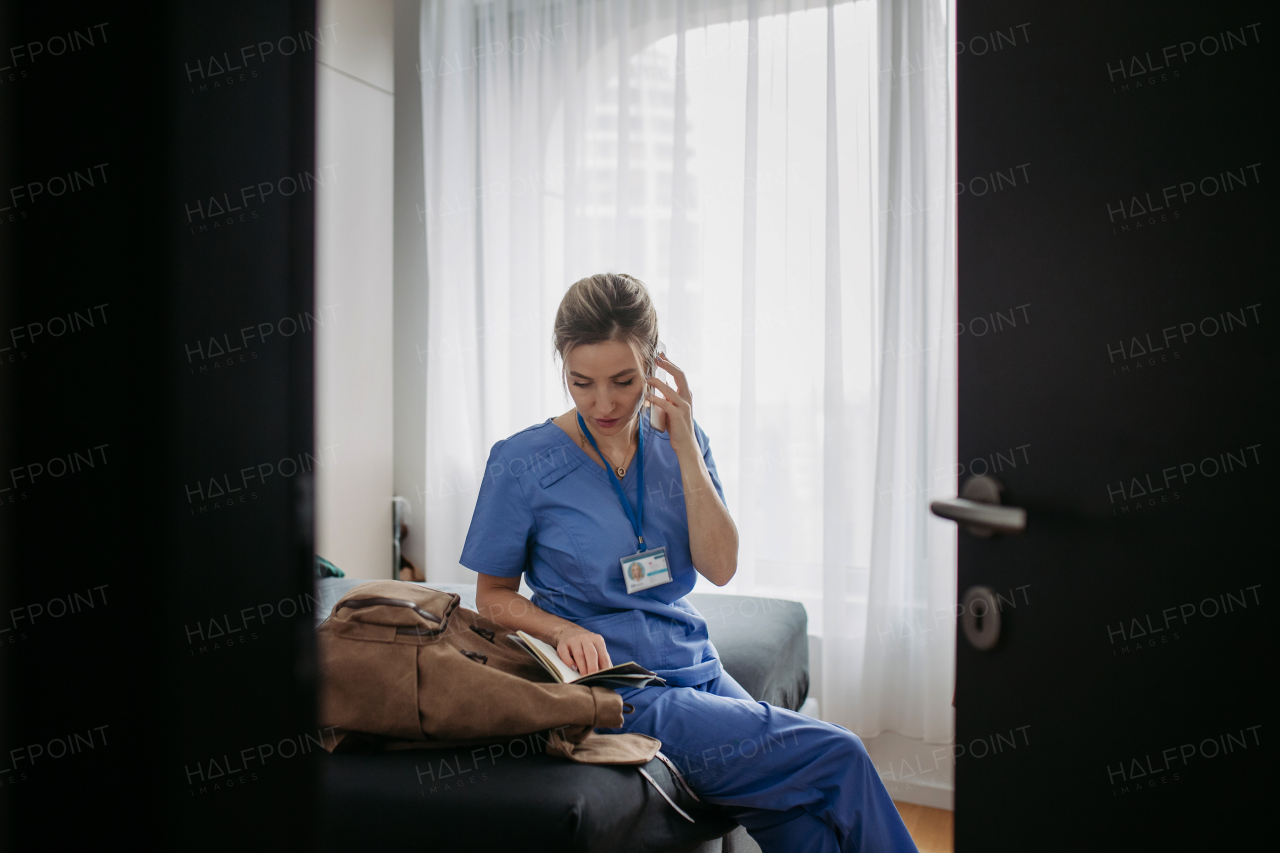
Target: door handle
{"points": [[978, 509]]}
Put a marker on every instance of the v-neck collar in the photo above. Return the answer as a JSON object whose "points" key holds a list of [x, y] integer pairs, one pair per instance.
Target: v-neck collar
{"points": [[596, 468]]}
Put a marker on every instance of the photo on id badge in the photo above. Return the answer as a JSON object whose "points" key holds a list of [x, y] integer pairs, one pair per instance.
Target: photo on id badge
{"points": [[646, 569]]}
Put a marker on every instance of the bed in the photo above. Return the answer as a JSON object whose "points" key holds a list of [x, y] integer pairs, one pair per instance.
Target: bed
{"points": [[512, 797]]}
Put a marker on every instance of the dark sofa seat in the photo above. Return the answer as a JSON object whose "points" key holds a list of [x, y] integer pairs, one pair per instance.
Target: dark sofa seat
{"points": [[511, 796], [533, 802]]}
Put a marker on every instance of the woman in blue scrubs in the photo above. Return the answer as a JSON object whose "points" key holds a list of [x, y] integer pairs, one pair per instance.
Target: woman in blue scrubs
{"points": [[611, 510]]}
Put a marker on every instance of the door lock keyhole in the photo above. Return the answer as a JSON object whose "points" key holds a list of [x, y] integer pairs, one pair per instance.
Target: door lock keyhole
{"points": [[980, 617]]}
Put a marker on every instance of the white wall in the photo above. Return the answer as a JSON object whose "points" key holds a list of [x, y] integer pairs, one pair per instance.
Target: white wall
{"points": [[355, 114], [914, 771], [411, 283]]}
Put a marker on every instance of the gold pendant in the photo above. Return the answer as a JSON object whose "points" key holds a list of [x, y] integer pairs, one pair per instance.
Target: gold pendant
{"points": [[582, 440]]}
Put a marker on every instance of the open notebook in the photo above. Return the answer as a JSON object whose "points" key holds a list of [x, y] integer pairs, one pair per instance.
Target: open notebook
{"points": [[623, 675]]}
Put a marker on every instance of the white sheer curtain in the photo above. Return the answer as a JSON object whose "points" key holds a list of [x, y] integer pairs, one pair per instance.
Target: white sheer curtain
{"points": [[780, 175]]}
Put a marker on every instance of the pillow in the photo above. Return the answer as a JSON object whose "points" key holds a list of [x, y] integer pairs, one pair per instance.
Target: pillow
{"points": [[325, 569]]}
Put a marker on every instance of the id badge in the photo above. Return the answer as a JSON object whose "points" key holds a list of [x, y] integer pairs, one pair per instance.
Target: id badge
{"points": [[646, 569]]}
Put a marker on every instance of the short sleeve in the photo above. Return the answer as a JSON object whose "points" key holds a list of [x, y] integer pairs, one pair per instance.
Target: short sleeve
{"points": [[502, 525], [705, 444]]}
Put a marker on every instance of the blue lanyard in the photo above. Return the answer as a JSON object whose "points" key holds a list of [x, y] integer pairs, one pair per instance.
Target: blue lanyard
{"points": [[635, 517]]}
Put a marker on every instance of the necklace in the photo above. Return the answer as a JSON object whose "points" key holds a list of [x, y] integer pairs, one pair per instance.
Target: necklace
{"points": [[620, 470]]}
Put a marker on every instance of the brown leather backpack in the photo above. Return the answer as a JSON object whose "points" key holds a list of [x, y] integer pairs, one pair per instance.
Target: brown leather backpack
{"points": [[406, 662]]}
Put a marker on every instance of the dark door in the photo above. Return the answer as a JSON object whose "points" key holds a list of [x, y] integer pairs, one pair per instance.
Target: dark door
{"points": [[157, 171], [1118, 376]]}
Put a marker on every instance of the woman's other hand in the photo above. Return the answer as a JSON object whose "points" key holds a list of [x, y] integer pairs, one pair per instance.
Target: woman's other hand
{"points": [[582, 650], [676, 406]]}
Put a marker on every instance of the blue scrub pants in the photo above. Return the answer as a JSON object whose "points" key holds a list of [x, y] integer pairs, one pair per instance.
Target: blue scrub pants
{"points": [[797, 784]]}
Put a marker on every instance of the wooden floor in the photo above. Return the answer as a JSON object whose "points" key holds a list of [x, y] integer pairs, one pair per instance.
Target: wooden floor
{"points": [[931, 829]]}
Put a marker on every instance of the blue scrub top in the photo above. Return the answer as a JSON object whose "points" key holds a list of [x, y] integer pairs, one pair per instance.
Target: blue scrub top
{"points": [[547, 509]]}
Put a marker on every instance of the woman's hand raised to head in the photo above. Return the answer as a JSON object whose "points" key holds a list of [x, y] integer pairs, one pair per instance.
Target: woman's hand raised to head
{"points": [[582, 650], [676, 405], [713, 537]]}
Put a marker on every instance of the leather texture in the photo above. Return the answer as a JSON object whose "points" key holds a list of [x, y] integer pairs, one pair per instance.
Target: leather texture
{"points": [[508, 799], [404, 661]]}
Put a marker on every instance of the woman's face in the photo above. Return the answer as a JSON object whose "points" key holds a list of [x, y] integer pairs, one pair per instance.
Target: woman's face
{"points": [[605, 381]]}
